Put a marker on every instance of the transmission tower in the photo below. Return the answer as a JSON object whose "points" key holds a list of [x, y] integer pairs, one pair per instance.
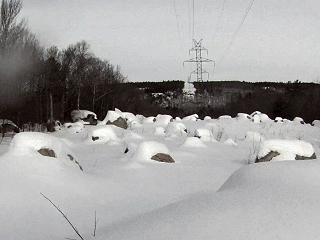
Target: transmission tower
{"points": [[199, 60]]}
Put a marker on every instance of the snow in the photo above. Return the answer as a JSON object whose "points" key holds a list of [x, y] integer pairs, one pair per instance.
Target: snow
{"points": [[193, 142], [147, 149], [210, 192], [111, 116], [288, 149], [263, 202], [204, 134], [316, 123], [176, 129], [81, 114], [103, 134], [163, 120]]}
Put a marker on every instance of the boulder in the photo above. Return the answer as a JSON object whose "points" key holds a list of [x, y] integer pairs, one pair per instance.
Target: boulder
{"points": [[268, 157], [285, 149], [120, 122], [162, 157], [47, 152]]}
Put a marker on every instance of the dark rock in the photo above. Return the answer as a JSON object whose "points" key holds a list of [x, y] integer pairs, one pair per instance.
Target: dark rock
{"points": [[94, 138], [70, 157], [298, 157], [47, 152], [126, 150], [90, 119], [162, 157], [268, 157], [120, 122]]}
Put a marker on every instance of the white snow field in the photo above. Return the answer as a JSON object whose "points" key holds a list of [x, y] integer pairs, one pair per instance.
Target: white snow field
{"points": [[212, 190]]}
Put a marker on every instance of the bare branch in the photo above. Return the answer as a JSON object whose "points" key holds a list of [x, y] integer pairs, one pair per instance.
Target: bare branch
{"points": [[64, 215], [95, 223]]}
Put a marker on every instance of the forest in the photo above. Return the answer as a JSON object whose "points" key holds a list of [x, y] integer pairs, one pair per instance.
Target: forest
{"points": [[40, 84]]}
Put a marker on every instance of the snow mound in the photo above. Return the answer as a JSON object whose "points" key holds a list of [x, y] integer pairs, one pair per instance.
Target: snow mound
{"points": [[298, 120], [254, 137], [73, 128], [29, 144], [204, 134], [223, 117], [146, 150], [278, 120], [316, 123], [243, 116], [163, 119], [176, 129], [104, 134], [149, 120], [159, 131], [268, 201], [258, 117], [77, 115], [111, 116], [193, 142], [287, 149], [193, 117]]}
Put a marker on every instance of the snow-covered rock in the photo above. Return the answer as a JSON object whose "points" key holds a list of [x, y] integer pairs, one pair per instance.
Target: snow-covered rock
{"points": [[31, 144], [280, 149], [193, 142], [84, 115], [103, 134], [204, 134], [176, 129], [147, 149], [163, 120], [193, 117], [316, 123]]}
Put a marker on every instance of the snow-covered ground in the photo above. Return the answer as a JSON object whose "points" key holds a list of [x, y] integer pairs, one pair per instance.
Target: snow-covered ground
{"points": [[211, 191]]}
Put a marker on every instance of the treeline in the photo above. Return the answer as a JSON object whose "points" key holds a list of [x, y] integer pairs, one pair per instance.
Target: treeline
{"points": [[39, 84]]}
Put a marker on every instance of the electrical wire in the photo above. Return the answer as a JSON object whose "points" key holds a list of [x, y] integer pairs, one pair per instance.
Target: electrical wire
{"points": [[234, 36]]}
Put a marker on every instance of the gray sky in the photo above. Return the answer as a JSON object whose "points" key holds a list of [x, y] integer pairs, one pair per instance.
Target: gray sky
{"points": [[279, 41]]}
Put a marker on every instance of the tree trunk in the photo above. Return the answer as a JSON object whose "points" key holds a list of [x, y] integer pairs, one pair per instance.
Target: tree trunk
{"points": [[78, 99], [93, 97], [62, 107], [51, 108]]}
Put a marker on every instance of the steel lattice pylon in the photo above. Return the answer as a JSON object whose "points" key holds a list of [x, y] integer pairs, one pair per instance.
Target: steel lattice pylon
{"points": [[199, 60]]}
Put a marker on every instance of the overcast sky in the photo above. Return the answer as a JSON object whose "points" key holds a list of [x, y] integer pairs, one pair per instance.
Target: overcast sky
{"points": [[149, 39]]}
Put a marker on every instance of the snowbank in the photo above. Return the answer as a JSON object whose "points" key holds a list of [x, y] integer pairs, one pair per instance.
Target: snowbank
{"points": [[267, 201]]}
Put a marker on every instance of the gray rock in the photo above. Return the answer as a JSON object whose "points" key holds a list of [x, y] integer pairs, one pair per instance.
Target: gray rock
{"points": [[47, 152], [162, 157], [120, 122]]}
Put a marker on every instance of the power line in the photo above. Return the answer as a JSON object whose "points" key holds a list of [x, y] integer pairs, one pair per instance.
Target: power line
{"points": [[193, 25], [220, 17], [177, 22], [234, 36]]}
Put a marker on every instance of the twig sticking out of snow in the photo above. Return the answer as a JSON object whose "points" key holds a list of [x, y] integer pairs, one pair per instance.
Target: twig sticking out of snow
{"points": [[95, 223], [64, 215]]}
